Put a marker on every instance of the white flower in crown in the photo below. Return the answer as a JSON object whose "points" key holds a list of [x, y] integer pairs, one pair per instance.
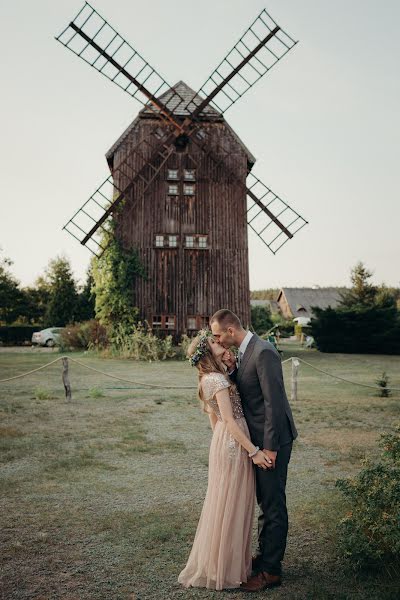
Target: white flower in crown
{"points": [[201, 347]]}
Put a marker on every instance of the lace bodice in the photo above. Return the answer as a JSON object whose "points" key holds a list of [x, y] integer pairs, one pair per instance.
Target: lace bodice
{"points": [[213, 383]]}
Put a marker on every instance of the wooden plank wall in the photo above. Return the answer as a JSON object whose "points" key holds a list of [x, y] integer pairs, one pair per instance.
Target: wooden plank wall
{"points": [[181, 281]]}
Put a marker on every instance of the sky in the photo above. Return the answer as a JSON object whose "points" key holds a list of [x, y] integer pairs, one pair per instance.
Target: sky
{"points": [[324, 125]]}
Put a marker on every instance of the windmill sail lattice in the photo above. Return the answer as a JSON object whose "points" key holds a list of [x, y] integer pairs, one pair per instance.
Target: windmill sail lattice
{"points": [[263, 44], [95, 41]]}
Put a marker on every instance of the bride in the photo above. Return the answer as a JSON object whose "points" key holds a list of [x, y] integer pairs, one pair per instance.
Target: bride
{"points": [[221, 553]]}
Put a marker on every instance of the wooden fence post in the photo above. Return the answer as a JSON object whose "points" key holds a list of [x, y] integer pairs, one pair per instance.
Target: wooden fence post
{"points": [[65, 378], [295, 370]]}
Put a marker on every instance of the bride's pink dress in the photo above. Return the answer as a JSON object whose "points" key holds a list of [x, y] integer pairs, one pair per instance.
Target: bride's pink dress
{"points": [[221, 553]]}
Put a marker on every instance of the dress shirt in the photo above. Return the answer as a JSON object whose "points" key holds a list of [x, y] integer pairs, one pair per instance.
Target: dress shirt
{"points": [[244, 344]]}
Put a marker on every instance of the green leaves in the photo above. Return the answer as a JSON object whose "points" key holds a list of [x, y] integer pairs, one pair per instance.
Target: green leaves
{"points": [[369, 534], [114, 275]]}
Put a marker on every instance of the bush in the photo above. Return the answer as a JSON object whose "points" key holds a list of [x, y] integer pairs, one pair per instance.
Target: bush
{"points": [[261, 319], [183, 346], [369, 535], [371, 330], [137, 342], [89, 335], [17, 334]]}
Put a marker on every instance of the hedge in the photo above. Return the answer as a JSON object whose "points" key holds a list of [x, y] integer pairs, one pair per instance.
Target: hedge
{"points": [[17, 334]]}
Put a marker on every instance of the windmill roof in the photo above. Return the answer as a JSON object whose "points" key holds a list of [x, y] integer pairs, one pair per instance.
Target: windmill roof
{"points": [[301, 300], [181, 100], [178, 104]]}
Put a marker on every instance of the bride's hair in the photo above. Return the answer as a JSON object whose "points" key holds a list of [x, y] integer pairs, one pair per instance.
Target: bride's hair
{"points": [[206, 364]]}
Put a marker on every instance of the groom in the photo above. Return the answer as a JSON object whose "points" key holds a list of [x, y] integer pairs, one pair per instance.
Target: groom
{"points": [[258, 376]]}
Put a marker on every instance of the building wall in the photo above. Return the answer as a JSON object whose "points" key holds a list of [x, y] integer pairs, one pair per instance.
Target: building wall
{"points": [[188, 282]]}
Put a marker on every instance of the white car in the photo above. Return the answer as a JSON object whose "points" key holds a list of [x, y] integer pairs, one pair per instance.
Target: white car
{"points": [[47, 337]]}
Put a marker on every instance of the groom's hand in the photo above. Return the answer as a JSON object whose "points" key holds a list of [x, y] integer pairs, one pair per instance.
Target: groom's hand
{"points": [[271, 456], [228, 358]]}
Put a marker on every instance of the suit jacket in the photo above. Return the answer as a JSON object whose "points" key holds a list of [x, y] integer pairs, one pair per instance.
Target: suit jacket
{"points": [[260, 383]]}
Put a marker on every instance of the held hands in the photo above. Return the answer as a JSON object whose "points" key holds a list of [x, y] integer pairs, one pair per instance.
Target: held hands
{"points": [[271, 456], [228, 358], [262, 460]]}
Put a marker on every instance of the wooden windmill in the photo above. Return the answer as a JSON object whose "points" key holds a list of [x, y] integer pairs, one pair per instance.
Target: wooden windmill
{"points": [[181, 189]]}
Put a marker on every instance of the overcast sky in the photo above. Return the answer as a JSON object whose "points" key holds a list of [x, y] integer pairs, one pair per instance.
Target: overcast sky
{"points": [[324, 125]]}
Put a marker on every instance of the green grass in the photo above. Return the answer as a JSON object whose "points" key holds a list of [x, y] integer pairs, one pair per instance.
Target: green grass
{"points": [[101, 496]]}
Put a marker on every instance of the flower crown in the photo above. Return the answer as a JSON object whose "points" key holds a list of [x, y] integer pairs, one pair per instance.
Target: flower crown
{"points": [[201, 348]]}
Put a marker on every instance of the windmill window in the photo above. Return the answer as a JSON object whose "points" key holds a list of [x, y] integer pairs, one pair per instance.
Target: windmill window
{"points": [[202, 241], [191, 323], [172, 241], [159, 241], [189, 174], [173, 189], [172, 173], [189, 241], [201, 134], [170, 322], [157, 322], [188, 190]]}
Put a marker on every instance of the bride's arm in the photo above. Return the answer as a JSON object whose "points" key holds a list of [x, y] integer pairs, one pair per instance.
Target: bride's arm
{"points": [[225, 407]]}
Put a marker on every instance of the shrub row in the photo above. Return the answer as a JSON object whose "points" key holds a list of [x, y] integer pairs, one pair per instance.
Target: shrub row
{"points": [[17, 334]]}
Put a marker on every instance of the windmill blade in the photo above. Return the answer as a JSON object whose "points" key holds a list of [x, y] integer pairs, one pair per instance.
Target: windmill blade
{"points": [[270, 217], [90, 37], [262, 45], [136, 172]]}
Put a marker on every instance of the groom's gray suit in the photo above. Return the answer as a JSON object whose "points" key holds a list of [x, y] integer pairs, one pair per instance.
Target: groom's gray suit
{"points": [[259, 380]]}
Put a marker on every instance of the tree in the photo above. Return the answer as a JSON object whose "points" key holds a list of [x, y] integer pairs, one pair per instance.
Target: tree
{"points": [[261, 319], [62, 306], [362, 293], [86, 299], [35, 301], [366, 320], [10, 294]]}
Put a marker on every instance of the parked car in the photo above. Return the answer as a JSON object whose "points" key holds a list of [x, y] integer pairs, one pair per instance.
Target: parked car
{"points": [[47, 337]]}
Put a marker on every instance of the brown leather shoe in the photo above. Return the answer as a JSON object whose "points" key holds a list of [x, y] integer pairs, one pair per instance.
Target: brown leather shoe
{"points": [[261, 581]]}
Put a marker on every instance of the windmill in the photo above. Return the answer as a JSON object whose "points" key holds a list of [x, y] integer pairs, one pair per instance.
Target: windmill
{"points": [[181, 190]]}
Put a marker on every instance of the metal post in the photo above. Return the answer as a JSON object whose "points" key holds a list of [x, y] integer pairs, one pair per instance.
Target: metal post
{"points": [[65, 378], [295, 369]]}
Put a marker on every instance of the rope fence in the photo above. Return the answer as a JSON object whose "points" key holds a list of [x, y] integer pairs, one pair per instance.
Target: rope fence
{"points": [[295, 361]]}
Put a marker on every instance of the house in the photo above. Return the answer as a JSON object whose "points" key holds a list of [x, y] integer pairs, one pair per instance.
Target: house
{"points": [[271, 305], [297, 302]]}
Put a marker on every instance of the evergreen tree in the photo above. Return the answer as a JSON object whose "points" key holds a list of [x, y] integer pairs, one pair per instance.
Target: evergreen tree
{"points": [[362, 293], [366, 320], [10, 294], [62, 306]]}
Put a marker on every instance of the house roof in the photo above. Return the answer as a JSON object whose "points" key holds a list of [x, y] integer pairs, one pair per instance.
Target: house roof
{"points": [[271, 304], [181, 100], [177, 104], [300, 300]]}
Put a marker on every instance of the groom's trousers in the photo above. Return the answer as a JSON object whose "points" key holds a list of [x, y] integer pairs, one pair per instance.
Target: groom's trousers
{"points": [[273, 518]]}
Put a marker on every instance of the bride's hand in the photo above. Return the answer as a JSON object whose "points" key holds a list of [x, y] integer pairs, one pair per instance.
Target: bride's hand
{"points": [[261, 460], [229, 360]]}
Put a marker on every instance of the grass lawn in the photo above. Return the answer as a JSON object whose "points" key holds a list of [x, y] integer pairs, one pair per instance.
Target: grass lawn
{"points": [[101, 496]]}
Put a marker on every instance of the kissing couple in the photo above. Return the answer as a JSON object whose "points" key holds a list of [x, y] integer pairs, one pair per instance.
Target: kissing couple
{"points": [[253, 433]]}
